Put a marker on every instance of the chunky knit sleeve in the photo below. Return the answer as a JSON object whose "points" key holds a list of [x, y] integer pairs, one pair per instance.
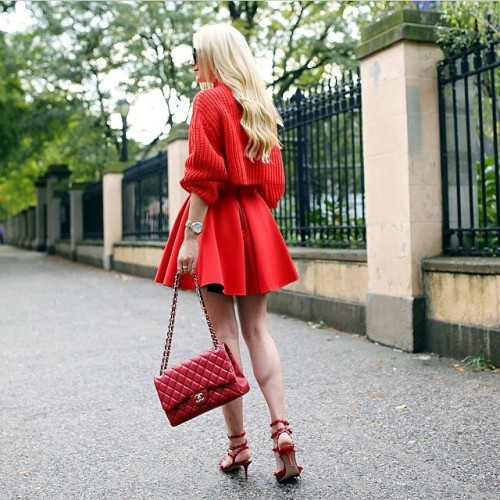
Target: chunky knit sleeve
{"points": [[205, 168]]}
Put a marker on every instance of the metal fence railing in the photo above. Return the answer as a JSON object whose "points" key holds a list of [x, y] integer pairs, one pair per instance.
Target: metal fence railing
{"points": [[324, 203], [469, 89], [93, 225], [145, 200]]}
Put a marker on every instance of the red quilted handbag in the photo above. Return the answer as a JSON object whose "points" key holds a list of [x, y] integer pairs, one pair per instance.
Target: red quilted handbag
{"points": [[210, 379]]}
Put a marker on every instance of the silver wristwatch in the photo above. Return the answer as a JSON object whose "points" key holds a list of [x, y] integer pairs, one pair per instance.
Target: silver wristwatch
{"points": [[196, 227]]}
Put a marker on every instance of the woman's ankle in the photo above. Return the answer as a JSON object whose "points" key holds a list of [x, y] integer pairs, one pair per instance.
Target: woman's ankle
{"points": [[281, 432], [237, 437]]}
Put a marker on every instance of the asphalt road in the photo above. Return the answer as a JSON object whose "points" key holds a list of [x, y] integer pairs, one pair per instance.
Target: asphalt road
{"points": [[80, 419]]}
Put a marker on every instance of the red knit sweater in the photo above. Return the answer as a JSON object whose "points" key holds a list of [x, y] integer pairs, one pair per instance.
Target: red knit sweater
{"points": [[216, 158]]}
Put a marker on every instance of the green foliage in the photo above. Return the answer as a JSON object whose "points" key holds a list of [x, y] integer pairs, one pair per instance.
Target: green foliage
{"points": [[13, 109], [56, 100], [153, 31], [305, 42], [488, 197], [17, 190], [299, 42], [369, 12], [460, 20], [478, 363], [488, 184], [73, 48], [246, 16]]}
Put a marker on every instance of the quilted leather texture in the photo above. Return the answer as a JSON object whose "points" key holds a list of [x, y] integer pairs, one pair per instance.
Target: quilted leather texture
{"points": [[210, 379]]}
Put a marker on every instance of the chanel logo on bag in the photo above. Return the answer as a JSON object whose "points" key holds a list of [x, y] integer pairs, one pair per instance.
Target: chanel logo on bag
{"points": [[199, 398]]}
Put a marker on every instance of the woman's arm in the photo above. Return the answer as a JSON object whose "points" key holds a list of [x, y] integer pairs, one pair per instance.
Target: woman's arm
{"points": [[188, 253]]}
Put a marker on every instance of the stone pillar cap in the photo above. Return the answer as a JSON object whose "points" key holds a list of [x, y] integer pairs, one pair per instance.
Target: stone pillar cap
{"points": [[406, 24], [117, 167]]}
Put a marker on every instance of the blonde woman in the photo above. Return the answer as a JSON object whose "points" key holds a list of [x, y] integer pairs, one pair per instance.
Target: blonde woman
{"points": [[225, 231]]}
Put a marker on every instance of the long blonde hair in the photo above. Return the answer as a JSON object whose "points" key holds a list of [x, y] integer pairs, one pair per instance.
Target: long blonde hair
{"points": [[224, 53]]}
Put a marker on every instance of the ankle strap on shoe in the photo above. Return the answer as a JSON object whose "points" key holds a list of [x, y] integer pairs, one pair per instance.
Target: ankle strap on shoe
{"points": [[239, 436], [280, 421], [282, 430], [234, 451]]}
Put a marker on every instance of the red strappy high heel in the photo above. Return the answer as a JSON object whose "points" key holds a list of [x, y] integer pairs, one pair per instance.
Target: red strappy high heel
{"points": [[286, 453], [232, 453]]}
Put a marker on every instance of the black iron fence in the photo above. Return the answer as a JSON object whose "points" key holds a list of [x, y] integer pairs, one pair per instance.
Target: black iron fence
{"points": [[469, 88], [324, 204], [145, 200], [93, 225], [65, 217]]}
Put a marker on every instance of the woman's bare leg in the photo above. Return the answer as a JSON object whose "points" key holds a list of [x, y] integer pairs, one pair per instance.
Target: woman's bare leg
{"points": [[222, 315], [266, 363]]}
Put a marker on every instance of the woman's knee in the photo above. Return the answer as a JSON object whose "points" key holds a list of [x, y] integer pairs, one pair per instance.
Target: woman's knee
{"points": [[252, 312], [253, 331]]}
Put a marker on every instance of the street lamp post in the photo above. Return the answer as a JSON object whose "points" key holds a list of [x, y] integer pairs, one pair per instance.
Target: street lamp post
{"points": [[123, 108]]}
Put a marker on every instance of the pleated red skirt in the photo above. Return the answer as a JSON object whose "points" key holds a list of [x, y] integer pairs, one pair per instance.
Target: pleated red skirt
{"points": [[241, 247]]}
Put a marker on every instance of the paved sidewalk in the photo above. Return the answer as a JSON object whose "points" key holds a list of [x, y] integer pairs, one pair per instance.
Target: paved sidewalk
{"points": [[80, 419]]}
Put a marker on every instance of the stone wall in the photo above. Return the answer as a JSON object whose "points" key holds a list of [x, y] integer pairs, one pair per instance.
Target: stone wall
{"points": [[463, 307]]}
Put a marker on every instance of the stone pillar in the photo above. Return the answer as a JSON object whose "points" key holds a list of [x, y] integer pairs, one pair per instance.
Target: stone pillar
{"points": [[25, 229], [177, 151], [129, 208], [40, 216], [402, 171], [17, 230], [22, 227], [53, 216], [11, 231], [56, 173], [31, 227], [112, 214], [76, 218], [7, 226]]}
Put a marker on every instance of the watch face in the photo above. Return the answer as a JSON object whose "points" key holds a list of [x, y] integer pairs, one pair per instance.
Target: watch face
{"points": [[197, 227]]}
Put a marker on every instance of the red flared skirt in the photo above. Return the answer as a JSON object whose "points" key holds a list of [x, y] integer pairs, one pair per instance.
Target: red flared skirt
{"points": [[241, 247]]}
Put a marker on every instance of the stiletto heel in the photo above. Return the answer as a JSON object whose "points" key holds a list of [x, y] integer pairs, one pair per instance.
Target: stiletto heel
{"points": [[232, 453], [245, 467], [286, 453]]}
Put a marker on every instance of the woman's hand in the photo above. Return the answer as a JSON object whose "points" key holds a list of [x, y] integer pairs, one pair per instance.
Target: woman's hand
{"points": [[188, 253], [188, 256]]}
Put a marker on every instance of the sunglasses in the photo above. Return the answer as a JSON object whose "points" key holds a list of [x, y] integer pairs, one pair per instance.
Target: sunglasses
{"points": [[195, 56]]}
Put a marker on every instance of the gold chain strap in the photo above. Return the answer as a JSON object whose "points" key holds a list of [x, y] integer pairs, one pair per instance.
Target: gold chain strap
{"points": [[173, 310]]}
